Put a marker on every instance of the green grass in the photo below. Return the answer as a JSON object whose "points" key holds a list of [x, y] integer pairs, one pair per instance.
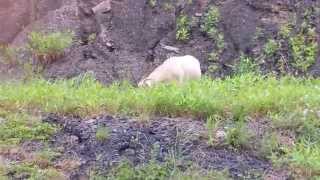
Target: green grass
{"points": [[291, 104], [212, 126], [49, 47], [49, 43], [304, 160], [19, 127], [245, 65], [102, 133], [157, 171], [240, 96], [34, 172]]}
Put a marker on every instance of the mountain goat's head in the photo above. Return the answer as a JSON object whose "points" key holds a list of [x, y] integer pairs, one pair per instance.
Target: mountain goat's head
{"points": [[146, 82]]}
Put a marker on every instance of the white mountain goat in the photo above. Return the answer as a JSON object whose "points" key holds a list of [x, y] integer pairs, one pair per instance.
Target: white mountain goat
{"points": [[175, 69]]}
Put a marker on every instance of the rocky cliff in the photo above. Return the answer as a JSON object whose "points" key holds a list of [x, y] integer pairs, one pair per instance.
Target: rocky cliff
{"points": [[132, 37]]}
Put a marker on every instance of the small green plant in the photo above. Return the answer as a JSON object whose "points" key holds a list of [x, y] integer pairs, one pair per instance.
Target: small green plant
{"points": [[168, 6], [9, 54], [183, 31], [212, 126], [34, 172], [210, 27], [304, 159], [269, 144], [152, 3], [271, 47], [92, 37], [238, 136], [210, 23], [245, 65], [160, 171], [213, 56], [259, 33], [102, 133], [190, 1], [49, 47], [285, 30], [304, 49]]}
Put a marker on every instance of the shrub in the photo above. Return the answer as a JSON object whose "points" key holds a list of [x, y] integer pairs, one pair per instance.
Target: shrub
{"points": [[304, 49], [152, 3], [304, 159], [102, 133], [183, 28], [9, 54], [49, 47], [210, 27], [245, 66], [212, 126], [160, 171], [271, 47], [21, 127], [210, 22], [238, 136]]}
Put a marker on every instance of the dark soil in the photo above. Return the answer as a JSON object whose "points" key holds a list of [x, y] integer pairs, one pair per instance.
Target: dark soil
{"points": [[139, 141]]}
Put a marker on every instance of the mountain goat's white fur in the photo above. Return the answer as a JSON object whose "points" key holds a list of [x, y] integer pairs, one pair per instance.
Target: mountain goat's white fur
{"points": [[175, 69]]}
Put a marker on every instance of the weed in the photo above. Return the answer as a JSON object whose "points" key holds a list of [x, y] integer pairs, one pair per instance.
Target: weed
{"points": [[213, 56], [160, 171], [239, 95], [33, 172], [213, 67], [210, 23], [20, 127], [245, 65], [152, 3], [102, 133], [92, 37], [44, 157], [285, 31], [212, 126], [183, 30], [210, 27], [259, 33], [49, 47], [168, 6], [269, 144], [304, 159], [271, 47], [238, 136], [9, 55], [304, 49]]}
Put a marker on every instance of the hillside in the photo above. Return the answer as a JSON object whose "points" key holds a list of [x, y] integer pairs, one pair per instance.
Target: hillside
{"points": [[70, 107]]}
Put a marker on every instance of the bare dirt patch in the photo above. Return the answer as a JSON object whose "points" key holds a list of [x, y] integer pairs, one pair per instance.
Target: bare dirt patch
{"points": [[139, 142]]}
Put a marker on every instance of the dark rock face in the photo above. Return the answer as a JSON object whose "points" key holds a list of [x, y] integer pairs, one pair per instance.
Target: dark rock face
{"points": [[13, 16], [16, 15], [130, 37]]}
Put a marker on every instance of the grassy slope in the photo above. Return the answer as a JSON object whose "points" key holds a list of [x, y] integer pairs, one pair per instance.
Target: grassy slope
{"points": [[291, 104], [239, 96]]}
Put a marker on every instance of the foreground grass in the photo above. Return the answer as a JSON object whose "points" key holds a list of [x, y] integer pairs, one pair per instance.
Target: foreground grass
{"points": [[292, 104], [239, 96], [156, 171]]}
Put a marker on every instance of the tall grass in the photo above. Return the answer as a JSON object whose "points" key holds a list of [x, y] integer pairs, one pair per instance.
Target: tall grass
{"points": [[238, 96]]}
